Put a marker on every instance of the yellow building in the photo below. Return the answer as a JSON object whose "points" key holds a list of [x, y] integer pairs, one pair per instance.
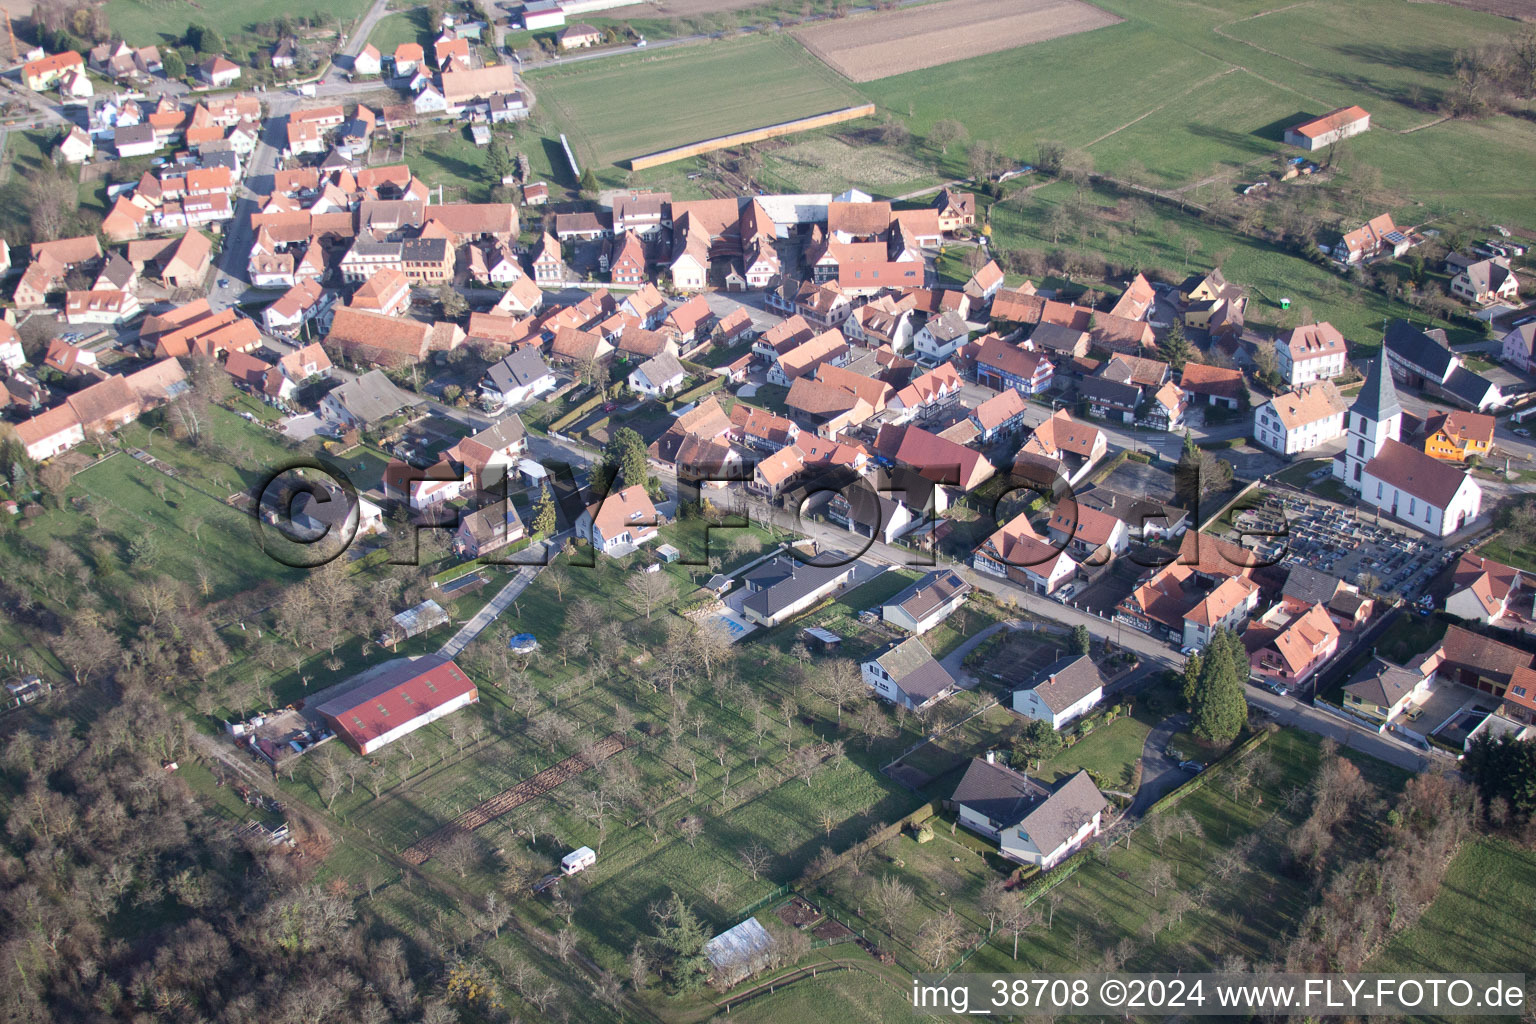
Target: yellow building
{"points": [[1454, 436]]}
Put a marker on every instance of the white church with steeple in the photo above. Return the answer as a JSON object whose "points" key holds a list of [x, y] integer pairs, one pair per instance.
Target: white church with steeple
{"points": [[1399, 479]]}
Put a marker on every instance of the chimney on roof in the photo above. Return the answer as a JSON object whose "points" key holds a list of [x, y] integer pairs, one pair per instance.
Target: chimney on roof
{"points": [[991, 757]]}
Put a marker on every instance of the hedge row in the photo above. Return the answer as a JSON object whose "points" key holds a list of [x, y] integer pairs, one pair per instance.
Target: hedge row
{"points": [[697, 392], [874, 839], [577, 413], [465, 568]]}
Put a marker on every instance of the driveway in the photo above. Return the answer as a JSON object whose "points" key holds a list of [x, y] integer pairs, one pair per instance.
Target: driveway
{"points": [[1160, 774]]}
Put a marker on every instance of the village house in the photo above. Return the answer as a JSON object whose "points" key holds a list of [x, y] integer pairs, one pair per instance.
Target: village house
{"points": [[1458, 436], [1305, 586], [1311, 352], [1218, 385], [957, 210], [785, 587], [927, 602], [1424, 359], [1061, 441], [1000, 364], [905, 673], [1290, 649], [1301, 420], [1377, 237], [1016, 552], [1091, 536], [660, 375], [1033, 825], [364, 401], [939, 338], [40, 74], [517, 378], [1225, 607], [620, 522], [1061, 692], [219, 72], [1485, 282], [1483, 590], [488, 528]]}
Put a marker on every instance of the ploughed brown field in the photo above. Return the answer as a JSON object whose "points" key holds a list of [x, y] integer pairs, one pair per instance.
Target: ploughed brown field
{"points": [[884, 43]]}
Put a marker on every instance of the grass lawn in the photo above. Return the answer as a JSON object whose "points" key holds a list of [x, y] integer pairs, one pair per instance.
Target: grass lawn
{"points": [[1410, 635], [406, 27], [443, 154], [622, 107], [1108, 753], [1505, 548], [158, 22], [1473, 924]]}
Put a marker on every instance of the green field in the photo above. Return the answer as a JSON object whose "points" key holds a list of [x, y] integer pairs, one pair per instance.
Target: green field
{"points": [[157, 22], [621, 107], [1468, 927], [1268, 272], [1190, 91]]}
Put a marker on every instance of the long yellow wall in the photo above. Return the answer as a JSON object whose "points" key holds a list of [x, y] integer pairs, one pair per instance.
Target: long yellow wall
{"points": [[772, 131]]}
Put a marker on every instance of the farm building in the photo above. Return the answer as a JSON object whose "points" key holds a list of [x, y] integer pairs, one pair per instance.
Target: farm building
{"points": [[1334, 126], [395, 698]]}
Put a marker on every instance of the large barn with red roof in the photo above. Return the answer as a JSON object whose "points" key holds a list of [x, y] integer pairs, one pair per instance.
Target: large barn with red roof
{"points": [[395, 698]]}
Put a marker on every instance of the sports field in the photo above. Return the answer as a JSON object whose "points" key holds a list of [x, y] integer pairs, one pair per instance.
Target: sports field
{"points": [[156, 22], [621, 107], [879, 44]]}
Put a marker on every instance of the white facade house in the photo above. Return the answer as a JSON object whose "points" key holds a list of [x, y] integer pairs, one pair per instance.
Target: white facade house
{"points": [[1031, 823], [620, 522], [1310, 352], [1050, 833], [941, 337], [1226, 607], [657, 376], [1301, 420], [1065, 690], [906, 673]]}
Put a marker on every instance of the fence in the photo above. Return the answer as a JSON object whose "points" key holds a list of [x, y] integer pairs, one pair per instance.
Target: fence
{"points": [[759, 904]]}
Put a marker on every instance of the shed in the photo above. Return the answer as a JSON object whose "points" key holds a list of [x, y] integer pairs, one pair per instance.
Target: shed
{"points": [[739, 951], [668, 553], [532, 473], [829, 640], [481, 134], [415, 621]]}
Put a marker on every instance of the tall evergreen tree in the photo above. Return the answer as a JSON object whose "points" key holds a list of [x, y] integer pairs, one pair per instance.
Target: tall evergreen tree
{"points": [[625, 455], [1176, 348], [1218, 706]]}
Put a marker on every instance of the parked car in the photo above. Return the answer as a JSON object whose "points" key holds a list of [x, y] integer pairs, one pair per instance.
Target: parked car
{"points": [[1191, 650], [1278, 689], [1193, 767]]}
